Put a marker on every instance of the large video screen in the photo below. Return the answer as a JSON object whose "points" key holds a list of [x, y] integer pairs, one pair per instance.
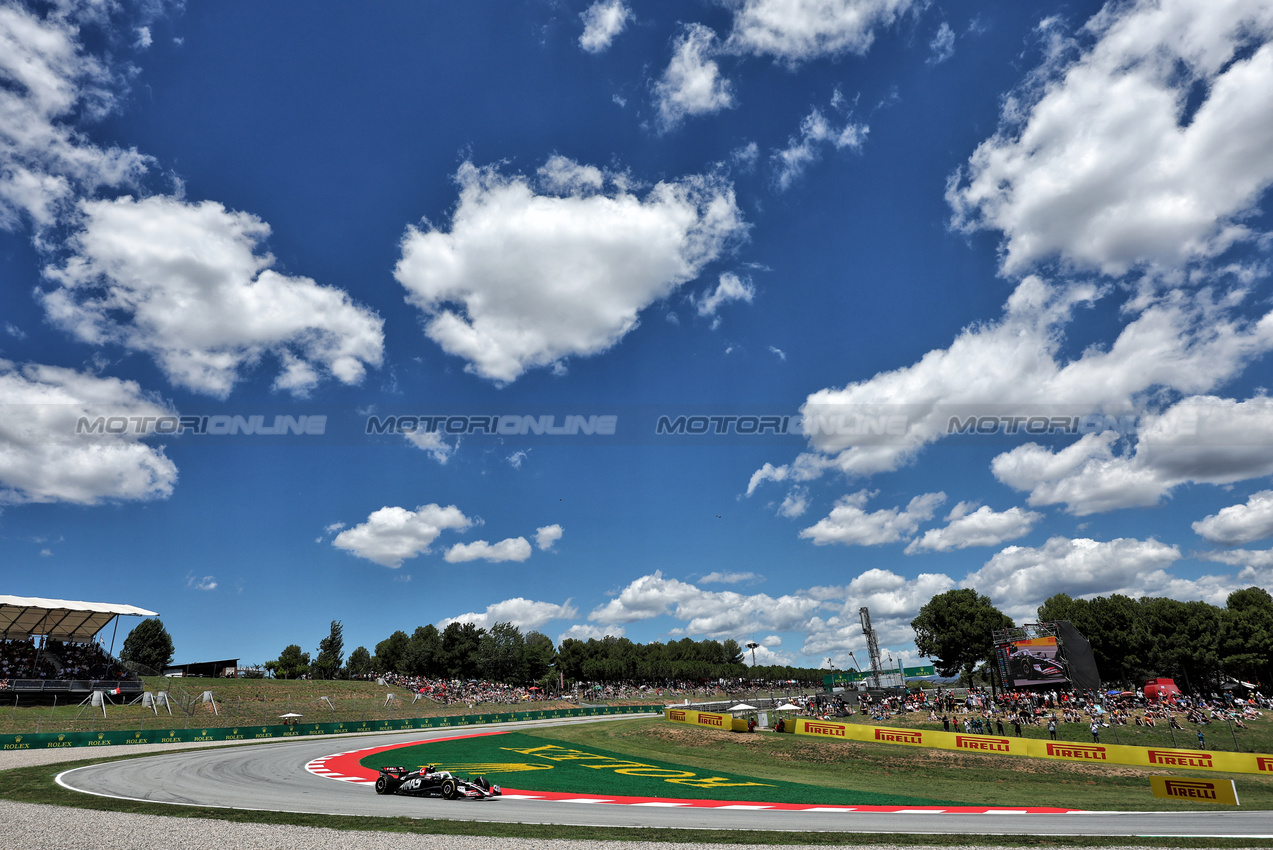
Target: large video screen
{"points": [[1027, 663]]}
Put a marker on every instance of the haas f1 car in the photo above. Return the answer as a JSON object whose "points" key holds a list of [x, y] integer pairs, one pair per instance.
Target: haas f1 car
{"points": [[427, 782]]}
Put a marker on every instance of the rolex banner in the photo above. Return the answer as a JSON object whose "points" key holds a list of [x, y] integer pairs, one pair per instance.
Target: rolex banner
{"points": [[166, 735], [1160, 757]]}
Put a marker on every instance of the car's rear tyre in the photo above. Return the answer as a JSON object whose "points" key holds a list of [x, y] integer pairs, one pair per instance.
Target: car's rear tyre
{"points": [[448, 789], [382, 785]]}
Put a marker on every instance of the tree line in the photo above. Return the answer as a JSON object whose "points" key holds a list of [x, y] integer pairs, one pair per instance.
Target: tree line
{"points": [[1198, 644], [504, 654]]}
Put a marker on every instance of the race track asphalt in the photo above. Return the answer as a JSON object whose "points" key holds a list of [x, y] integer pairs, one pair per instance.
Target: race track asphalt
{"points": [[272, 777]]}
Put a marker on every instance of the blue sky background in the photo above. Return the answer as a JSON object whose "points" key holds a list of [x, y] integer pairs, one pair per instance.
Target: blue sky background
{"points": [[894, 212]]}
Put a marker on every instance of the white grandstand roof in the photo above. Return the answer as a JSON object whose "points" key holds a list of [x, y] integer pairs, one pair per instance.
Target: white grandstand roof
{"points": [[59, 618]]}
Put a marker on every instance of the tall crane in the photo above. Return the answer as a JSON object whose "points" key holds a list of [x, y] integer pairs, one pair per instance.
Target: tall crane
{"points": [[872, 644]]}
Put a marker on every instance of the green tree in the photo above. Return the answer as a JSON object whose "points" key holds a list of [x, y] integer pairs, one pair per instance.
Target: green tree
{"points": [[290, 664], [732, 654], [571, 656], [390, 653], [1060, 606], [1183, 639], [954, 628], [539, 655], [460, 642], [501, 654], [359, 663], [331, 652], [423, 655], [1115, 628], [148, 645], [1246, 635]]}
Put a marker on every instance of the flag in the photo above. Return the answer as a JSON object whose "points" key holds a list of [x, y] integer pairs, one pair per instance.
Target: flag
{"points": [[117, 690]]}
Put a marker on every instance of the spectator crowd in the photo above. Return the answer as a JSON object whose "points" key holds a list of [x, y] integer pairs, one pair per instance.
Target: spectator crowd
{"points": [[55, 660]]}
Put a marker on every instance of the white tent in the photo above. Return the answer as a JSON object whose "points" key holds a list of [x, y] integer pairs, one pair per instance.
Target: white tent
{"points": [[742, 706], [61, 619]]}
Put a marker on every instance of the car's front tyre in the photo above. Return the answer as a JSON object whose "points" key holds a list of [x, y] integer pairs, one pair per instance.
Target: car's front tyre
{"points": [[448, 789]]}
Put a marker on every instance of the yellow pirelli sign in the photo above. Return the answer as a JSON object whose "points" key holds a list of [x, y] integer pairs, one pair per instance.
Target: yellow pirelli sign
{"points": [[710, 719], [1195, 790]]}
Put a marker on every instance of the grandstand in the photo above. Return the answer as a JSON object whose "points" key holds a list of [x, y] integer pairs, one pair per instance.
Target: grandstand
{"points": [[49, 647]]}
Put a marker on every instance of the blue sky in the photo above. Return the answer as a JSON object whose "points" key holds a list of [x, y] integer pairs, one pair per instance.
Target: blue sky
{"points": [[962, 295]]}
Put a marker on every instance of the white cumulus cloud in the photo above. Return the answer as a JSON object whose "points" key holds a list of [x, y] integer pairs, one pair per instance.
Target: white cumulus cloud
{"points": [[534, 271], [184, 284], [46, 80], [602, 21], [391, 535], [980, 527], [849, 524], [692, 83], [1026, 575], [1097, 160], [1201, 439], [525, 614], [1187, 343], [509, 549], [1239, 524], [706, 613], [45, 456], [796, 31], [547, 535]]}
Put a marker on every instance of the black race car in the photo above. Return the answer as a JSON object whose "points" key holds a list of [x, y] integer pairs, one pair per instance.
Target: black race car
{"points": [[1036, 667], [427, 782]]}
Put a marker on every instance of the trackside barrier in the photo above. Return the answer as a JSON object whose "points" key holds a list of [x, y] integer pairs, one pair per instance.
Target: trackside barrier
{"points": [[1040, 748], [710, 719], [161, 735]]}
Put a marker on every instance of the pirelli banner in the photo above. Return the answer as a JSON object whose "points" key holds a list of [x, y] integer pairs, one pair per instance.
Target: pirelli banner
{"points": [[710, 719], [1163, 757]]}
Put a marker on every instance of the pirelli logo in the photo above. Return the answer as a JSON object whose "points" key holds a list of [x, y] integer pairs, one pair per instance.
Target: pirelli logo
{"points": [[832, 729], [1077, 751], [711, 719], [1202, 790], [981, 744], [1180, 758], [896, 736], [1190, 788], [676, 716], [1264, 763]]}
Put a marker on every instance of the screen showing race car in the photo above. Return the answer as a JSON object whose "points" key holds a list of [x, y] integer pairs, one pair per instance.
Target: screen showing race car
{"points": [[1027, 663]]}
